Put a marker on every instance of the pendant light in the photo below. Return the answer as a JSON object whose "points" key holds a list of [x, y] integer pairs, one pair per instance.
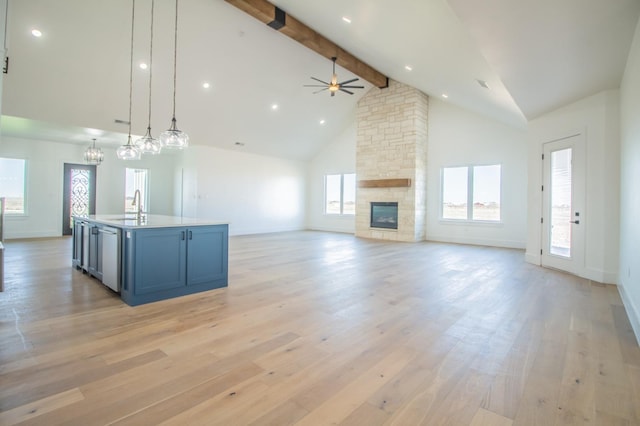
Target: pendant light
{"points": [[130, 151], [174, 138], [93, 155], [148, 144]]}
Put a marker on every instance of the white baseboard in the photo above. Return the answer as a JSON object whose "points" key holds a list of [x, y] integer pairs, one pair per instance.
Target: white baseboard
{"points": [[25, 235], [600, 276], [533, 258], [478, 241], [251, 231], [332, 229], [632, 312]]}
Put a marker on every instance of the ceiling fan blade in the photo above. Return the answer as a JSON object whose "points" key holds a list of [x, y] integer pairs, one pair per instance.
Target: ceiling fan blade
{"points": [[322, 90], [346, 91], [352, 87], [314, 85], [349, 81], [317, 79]]}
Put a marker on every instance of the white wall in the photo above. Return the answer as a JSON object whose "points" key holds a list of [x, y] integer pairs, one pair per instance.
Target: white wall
{"points": [[338, 157], [3, 8], [254, 193], [458, 137], [596, 119], [629, 269], [45, 167]]}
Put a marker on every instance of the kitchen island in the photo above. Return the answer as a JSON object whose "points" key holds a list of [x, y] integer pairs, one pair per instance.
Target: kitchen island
{"points": [[152, 257]]}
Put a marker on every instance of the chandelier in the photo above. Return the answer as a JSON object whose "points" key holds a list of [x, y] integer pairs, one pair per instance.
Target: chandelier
{"points": [[93, 155]]}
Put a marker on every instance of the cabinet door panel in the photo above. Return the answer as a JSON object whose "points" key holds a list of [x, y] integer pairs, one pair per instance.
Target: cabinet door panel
{"points": [[95, 252], [207, 254], [160, 259], [77, 244]]}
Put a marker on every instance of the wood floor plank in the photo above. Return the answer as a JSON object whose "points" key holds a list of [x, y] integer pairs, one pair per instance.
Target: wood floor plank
{"points": [[302, 335], [487, 418], [41, 407], [343, 403], [180, 403]]}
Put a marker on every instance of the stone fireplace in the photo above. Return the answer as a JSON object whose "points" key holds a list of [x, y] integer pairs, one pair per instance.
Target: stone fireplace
{"points": [[391, 151]]}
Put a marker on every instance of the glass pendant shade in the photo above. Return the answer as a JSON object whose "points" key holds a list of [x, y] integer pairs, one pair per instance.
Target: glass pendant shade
{"points": [[128, 151], [174, 138], [93, 155], [148, 144]]}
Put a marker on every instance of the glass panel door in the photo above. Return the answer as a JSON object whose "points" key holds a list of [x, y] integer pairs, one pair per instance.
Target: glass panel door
{"points": [[79, 194], [561, 205], [80, 180]]}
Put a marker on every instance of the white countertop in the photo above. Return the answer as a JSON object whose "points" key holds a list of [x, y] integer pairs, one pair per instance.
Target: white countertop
{"points": [[129, 221]]}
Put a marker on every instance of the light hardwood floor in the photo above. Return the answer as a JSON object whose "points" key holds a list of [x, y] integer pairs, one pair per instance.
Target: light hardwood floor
{"points": [[319, 329]]}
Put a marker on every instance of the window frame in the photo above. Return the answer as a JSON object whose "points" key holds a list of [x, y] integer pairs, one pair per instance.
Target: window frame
{"points": [[470, 192], [342, 212], [25, 187], [145, 199]]}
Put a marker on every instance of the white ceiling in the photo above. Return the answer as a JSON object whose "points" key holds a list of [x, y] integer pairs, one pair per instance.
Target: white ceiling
{"points": [[72, 83]]}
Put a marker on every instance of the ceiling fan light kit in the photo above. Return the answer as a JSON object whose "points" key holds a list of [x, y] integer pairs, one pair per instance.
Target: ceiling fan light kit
{"points": [[334, 86]]}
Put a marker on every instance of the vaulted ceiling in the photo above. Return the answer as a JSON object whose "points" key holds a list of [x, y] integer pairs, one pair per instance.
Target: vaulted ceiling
{"points": [[72, 83]]}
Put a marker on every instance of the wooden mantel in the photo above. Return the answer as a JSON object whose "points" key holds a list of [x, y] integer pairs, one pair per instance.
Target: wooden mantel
{"points": [[384, 183]]}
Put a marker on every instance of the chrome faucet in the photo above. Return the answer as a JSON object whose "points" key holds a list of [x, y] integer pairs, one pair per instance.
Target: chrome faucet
{"points": [[136, 196]]}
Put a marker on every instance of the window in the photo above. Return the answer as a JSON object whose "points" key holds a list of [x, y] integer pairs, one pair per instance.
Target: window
{"points": [[340, 194], [136, 179], [12, 184], [471, 193]]}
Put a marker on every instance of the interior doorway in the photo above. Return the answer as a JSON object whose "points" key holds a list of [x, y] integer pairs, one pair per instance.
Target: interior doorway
{"points": [[563, 204], [79, 193]]}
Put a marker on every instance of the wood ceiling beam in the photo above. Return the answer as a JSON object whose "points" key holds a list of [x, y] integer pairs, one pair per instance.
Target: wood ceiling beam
{"points": [[266, 12]]}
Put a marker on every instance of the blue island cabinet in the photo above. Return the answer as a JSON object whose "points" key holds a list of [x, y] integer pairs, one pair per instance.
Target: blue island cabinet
{"points": [[161, 263]]}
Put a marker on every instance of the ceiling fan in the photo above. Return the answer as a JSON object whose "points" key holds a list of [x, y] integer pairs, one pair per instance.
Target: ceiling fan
{"points": [[334, 86]]}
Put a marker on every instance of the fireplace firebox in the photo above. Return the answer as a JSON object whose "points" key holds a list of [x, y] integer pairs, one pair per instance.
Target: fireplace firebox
{"points": [[384, 215]]}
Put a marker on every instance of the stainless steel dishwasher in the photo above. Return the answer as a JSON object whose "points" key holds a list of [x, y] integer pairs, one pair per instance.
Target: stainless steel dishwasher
{"points": [[111, 257]]}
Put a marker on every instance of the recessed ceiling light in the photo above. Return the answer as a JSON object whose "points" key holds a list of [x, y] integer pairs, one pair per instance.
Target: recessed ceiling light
{"points": [[408, 68], [274, 107], [322, 121], [346, 19], [444, 95], [143, 66], [206, 85], [36, 32]]}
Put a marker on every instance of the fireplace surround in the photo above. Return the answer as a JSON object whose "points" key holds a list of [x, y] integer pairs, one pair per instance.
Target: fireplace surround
{"points": [[384, 215]]}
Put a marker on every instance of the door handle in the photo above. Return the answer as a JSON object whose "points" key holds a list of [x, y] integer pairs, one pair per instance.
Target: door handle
{"points": [[577, 222]]}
